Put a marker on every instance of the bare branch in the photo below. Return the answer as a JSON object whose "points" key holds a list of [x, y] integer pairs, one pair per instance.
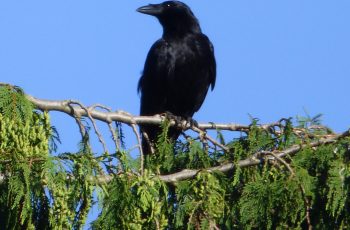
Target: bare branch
{"points": [[63, 106], [253, 160], [134, 128], [145, 136], [98, 134], [212, 140], [81, 126]]}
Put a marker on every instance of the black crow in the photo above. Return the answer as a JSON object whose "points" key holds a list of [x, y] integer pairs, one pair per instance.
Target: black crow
{"points": [[178, 70]]}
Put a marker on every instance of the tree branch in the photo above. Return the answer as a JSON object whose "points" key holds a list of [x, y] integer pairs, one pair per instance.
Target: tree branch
{"points": [[255, 159], [121, 116], [77, 110]]}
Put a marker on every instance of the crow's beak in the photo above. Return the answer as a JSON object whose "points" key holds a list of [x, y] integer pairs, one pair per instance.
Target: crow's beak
{"points": [[151, 9]]}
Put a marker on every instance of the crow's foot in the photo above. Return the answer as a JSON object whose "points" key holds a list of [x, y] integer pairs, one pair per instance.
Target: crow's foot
{"points": [[170, 116], [192, 122]]}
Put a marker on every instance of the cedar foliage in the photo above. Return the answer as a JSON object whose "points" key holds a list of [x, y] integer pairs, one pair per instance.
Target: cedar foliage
{"points": [[40, 189], [36, 188]]}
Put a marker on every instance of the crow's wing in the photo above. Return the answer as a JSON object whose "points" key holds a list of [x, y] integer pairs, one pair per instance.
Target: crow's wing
{"points": [[153, 82]]}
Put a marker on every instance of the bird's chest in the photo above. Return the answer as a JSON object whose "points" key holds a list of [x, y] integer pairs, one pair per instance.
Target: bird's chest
{"points": [[182, 54], [183, 60]]}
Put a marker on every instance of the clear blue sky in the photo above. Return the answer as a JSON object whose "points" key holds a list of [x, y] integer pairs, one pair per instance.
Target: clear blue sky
{"points": [[274, 57]]}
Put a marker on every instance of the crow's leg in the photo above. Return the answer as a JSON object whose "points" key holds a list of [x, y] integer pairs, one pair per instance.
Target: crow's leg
{"points": [[192, 122]]}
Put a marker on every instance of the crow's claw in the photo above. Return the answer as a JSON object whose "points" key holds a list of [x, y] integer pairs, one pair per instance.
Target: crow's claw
{"points": [[192, 122], [181, 121], [172, 117]]}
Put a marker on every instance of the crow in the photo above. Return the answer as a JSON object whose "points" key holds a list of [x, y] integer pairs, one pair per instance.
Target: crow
{"points": [[179, 69]]}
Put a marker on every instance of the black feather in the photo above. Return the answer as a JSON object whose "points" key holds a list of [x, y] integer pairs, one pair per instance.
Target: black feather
{"points": [[179, 69]]}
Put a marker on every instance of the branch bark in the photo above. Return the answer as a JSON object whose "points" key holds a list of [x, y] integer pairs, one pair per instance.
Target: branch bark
{"points": [[121, 116], [255, 159]]}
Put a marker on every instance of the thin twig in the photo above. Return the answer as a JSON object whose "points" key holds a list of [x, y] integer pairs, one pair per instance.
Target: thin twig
{"points": [[302, 189], [81, 126], [94, 106], [209, 138], [146, 138], [114, 136], [134, 128], [98, 134], [281, 161], [109, 122]]}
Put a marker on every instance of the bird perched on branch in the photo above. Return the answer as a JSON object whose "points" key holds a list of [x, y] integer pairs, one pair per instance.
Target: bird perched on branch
{"points": [[179, 69]]}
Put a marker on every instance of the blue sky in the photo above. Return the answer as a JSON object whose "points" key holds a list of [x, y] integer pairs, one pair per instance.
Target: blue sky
{"points": [[274, 57]]}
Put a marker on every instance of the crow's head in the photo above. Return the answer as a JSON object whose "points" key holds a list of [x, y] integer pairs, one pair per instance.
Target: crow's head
{"points": [[176, 17]]}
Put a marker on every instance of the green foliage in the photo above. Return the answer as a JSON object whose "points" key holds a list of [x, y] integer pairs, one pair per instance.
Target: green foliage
{"points": [[271, 201], [23, 150], [13, 104], [134, 202], [40, 189], [164, 156], [35, 189], [200, 202]]}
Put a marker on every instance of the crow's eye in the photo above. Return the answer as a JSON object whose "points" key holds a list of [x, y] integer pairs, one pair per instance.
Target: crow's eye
{"points": [[168, 5]]}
